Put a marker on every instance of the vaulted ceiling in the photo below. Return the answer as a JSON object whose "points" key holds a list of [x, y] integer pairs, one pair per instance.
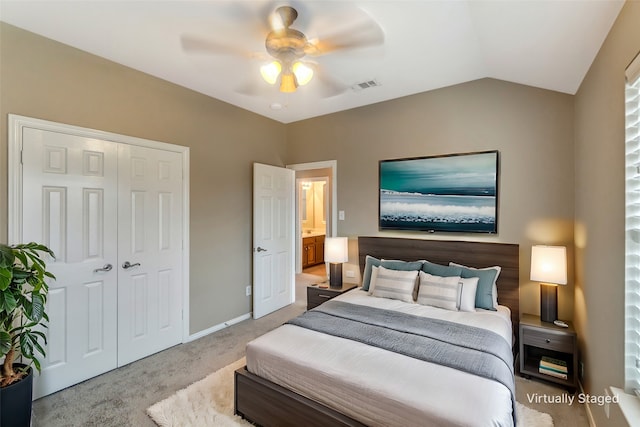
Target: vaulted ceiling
{"points": [[405, 47]]}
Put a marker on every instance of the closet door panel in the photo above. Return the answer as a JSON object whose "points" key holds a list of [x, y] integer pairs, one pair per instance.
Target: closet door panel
{"points": [[150, 241], [70, 204]]}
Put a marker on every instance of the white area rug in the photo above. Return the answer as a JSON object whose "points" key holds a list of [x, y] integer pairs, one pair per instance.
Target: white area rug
{"points": [[209, 402]]}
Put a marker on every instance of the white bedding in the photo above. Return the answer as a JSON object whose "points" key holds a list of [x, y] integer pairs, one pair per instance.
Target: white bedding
{"points": [[382, 388]]}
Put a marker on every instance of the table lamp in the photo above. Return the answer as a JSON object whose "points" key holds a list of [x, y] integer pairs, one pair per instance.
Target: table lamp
{"points": [[549, 267], [336, 251]]}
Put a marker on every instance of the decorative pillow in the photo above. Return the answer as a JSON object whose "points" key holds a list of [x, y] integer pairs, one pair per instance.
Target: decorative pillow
{"points": [[443, 292], [441, 270], [366, 276], [395, 284], [374, 277], [394, 264], [468, 294], [387, 263], [487, 292]]}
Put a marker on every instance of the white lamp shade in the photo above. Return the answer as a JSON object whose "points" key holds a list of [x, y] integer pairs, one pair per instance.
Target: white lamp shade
{"points": [[271, 71], [303, 73], [336, 249], [549, 264]]}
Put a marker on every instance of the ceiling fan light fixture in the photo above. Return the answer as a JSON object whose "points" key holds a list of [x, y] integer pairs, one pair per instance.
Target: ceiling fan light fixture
{"points": [[271, 71], [302, 72], [288, 83]]}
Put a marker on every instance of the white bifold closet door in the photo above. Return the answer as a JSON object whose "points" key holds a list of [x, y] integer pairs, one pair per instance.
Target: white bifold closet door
{"points": [[112, 214]]}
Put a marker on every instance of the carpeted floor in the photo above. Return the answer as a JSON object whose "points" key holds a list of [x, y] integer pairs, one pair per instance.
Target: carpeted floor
{"points": [[121, 397]]}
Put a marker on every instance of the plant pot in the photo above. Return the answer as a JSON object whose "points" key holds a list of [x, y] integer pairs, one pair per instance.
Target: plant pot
{"points": [[16, 401]]}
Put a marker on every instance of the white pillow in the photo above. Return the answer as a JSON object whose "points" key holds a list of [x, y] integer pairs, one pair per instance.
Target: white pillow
{"points": [[372, 280], [443, 292], [395, 284], [468, 294]]}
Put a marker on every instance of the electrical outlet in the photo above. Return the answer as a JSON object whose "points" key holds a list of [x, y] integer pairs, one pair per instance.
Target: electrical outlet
{"points": [[341, 215], [350, 273], [606, 403], [248, 290]]}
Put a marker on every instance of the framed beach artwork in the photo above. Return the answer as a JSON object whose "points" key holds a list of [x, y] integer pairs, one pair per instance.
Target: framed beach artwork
{"points": [[456, 192]]}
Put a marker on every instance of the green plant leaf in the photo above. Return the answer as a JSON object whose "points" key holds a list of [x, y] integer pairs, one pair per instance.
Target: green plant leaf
{"points": [[6, 274], [6, 256], [5, 343], [37, 307], [36, 363], [21, 257], [8, 302]]}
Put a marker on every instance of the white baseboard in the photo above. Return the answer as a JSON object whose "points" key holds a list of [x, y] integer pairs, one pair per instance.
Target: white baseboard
{"points": [[592, 421], [218, 327]]}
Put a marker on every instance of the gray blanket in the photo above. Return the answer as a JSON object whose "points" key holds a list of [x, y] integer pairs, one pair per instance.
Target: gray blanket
{"points": [[466, 348]]}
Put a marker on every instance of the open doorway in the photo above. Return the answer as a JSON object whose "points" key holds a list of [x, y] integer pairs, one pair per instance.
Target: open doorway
{"points": [[316, 215], [313, 220]]}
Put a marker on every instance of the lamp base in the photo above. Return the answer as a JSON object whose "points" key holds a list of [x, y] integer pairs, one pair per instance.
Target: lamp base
{"points": [[335, 275], [548, 302]]}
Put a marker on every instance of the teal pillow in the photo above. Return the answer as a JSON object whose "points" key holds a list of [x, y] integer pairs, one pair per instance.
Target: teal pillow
{"points": [[370, 262], [401, 265], [484, 292], [441, 270]]}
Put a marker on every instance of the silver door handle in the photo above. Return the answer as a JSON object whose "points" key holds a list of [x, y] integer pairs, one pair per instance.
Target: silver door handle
{"points": [[127, 265], [259, 249], [106, 267]]}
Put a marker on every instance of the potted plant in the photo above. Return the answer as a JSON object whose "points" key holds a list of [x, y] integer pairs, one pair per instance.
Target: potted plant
{"points": [[23, 295]]}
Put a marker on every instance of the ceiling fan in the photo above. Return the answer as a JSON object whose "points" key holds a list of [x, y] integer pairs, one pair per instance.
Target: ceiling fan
{"points": [[288, 48]]}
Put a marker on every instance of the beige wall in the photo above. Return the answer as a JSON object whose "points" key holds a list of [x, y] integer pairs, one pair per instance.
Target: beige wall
{"points": [[532, 129], [599, 209], [47, 80]]}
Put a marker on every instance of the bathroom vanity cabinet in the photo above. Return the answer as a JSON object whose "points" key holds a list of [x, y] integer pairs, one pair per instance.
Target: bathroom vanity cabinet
{"points": [[312, 250]]}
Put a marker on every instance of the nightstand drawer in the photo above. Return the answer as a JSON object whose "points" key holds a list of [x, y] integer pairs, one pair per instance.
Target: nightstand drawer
{"points": [[317, 296], [547, 340]]}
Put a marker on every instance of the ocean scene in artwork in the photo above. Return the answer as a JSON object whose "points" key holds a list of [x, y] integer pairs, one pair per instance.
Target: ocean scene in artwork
{"points": [[451, 193]]}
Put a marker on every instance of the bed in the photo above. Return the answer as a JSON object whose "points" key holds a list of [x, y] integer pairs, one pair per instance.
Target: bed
{"points": [[297, 375]]}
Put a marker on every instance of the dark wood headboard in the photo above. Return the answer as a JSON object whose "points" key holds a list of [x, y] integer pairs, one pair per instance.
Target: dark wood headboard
{"points": [[472, 254]]}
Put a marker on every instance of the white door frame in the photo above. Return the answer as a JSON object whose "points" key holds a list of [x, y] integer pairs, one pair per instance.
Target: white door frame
{"points": [[18, 123], [333, 227]]}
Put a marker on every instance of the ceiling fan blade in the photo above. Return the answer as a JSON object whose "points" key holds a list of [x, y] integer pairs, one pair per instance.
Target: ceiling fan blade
{"points": [[200, 45], [327, 86], [359, 34]]}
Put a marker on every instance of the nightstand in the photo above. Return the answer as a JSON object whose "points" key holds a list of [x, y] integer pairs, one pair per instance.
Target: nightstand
{"points": [[538, 339], [317, 295]]}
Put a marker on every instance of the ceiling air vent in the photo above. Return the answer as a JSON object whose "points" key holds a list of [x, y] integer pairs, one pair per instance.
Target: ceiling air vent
{"points": [[365, 85]]}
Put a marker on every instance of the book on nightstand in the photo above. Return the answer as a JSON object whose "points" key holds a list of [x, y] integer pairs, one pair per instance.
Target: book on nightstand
{"points": [[553, 367], [555, 364], [552, 373]]}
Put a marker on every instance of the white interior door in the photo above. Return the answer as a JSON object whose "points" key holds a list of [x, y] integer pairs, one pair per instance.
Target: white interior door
{"points": [[273, 238], [149, 251], [70, 205]]}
